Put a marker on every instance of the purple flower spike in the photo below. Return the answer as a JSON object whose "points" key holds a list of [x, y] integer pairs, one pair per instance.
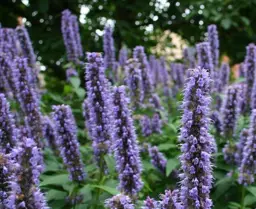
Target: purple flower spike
{"points": [[50, 133], [165, 77], [119, 201], [98, 109], [231, 110], [157, 158], [177, 75], [145, 124], [197, 145], [26, 45], [134, 82], [126, 150], [217, 122], [189, 58], [156, 123], [68, 143], [109, 52], [205, 57], [213, 39], [224, 76], [75, 26], [247, 168], [139, 54], [28, 100], [9, 187], [123, 56], [170, 200], [240, 146], [229, 151], [69, 29], [150, 203], [250, 63], [71, 72], [155, 102], [8, 42], [8, 131], [242, 70]]}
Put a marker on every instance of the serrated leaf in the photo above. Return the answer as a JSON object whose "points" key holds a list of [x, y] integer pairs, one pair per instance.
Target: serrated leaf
{"points": [[171, 164], [110, 190], [75, 82]]}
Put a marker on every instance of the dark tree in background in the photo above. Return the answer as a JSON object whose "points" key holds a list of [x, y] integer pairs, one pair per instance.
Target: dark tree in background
{"points": [[188, 18]]}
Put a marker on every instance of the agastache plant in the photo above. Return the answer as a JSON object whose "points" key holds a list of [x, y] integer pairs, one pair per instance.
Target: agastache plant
{"points": [[217, 122], [69, 29], [231, 110], [157, 158], [150, 203], [250, 63], [68, 143], [8, 130], [170, 200], [99, 107], [8, 184], [205, 58], [196, 143], [70, 73], [240, 146], [109, 51], [123, 56], [29, 102], [26, 45], [29, 158], [247, 167], [156, 123], [165, 77], [75, 26], [139, 54], [145, 124], [242, 70], [134, 82], [189, 58], [119, 201], [8, 42], [126, 150], [224, 73], [213, 40]]}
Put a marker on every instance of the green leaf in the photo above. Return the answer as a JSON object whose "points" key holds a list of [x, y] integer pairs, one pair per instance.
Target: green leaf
{"points": [[80, 92], [110, 190], [245, 20], [171, 164], [167, 146], [252, 190], [223, 186], [233, 205], [249, 200], [43, 6], [86, 191], [110, 163], [75, 82], [59, 179], [226, 23], [55, 195]]}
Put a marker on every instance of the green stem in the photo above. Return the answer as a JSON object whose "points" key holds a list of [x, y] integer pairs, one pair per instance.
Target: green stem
{"points": [[242, 198], [99, 180]]}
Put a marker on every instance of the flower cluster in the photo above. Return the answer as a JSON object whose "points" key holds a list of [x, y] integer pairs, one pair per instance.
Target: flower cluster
{"points": [[126, 150], [196, 143], [230, 110], [71, 37], [98, 107], [8, 130], [139, 54], [242, 70], [217, 122], [8, 42], [247, 168], [189, 58], [223, 76], [240, 146], [123, 56], [164, 77], [26, 45], [157, 158], [150, 203], [67, 142], [213, 40], [119, 201], [177, 75], [134, 81], [71, 72], [170, 200], [145, 124], [250, 63]]}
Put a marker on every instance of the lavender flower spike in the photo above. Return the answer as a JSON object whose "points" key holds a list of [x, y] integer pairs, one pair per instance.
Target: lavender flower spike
{"points": [[205, 57], [230, 110], [156, 123], [123, 56], [69, 146], [213, 39], [139, 54], [224, 76], [8, 131], [250, 63], [119, 201], [240, 146], [8, 45], [109, 51], [71, 72], [75, 26], [98, 107], [26, 45], [157, 158], [30, 160], [150, 203], [134, 82], [145, 124], [8, 183], [126, 150], [253, 96], [247, 168], [242, 70], [170, 200], [196, 143]]}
